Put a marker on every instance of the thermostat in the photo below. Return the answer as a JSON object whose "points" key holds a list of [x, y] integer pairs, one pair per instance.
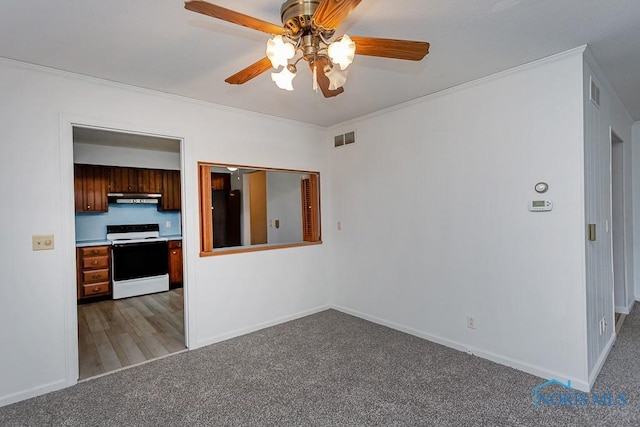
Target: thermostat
{"points": [[540, 205], [541, 187]]}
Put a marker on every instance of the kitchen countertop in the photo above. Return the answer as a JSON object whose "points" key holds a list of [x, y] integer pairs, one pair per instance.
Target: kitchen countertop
{"points": [[174, 237]]}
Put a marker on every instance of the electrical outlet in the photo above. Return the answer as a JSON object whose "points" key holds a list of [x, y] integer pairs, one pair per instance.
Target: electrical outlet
{"points": [[167, 224], [471, 322], [339, 225], [42, 242]]}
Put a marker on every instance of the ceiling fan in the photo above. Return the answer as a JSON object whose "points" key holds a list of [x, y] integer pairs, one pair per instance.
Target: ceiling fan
{"points": [[308, 27]]}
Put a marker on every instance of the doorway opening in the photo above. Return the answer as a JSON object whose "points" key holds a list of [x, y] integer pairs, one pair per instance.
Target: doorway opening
{"points": [[129, 180], [618, 224]]}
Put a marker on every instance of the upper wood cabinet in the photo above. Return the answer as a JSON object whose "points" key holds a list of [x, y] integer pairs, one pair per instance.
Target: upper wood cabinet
{"points": [[171, 200], [150, 180], [91, 184], [220, 181], [134, 180], [123, 180]]}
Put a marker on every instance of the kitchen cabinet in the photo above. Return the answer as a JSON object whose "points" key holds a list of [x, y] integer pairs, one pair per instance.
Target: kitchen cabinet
{"points": [[171, 200], [123, 180], [93, 271], [150, 180], [135, 180], [175, 263], [91, 184]]}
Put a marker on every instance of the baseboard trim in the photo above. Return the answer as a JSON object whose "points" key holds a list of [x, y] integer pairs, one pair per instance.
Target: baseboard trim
{"points": [[35, 391], [257, 327], [623, 310], [506, 361], [603, 358]]}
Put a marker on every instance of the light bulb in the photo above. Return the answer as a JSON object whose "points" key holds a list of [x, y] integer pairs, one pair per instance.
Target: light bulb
{"points": [[337, 78], [284, 79], [279, 51], [342, 52]]}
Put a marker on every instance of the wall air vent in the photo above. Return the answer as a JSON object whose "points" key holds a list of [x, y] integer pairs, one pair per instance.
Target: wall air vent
{"points": [[595, 93], [344, 139]]}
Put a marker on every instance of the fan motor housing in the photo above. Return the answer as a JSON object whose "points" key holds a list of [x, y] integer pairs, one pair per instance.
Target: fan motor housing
{"points": [[296, 16]]}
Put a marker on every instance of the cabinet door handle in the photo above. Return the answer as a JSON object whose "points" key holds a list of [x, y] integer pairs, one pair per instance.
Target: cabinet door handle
{"points": [[173, 252], [94, 263]]}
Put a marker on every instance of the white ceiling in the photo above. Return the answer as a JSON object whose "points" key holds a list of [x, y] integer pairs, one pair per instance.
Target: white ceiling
{"points": [[157, 44]]}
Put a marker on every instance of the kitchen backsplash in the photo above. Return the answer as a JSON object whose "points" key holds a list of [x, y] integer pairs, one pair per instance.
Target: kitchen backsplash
{"points": [[93, 226]]}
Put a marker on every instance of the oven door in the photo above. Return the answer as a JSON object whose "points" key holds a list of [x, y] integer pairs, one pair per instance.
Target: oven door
{"points": [[138, 260]]}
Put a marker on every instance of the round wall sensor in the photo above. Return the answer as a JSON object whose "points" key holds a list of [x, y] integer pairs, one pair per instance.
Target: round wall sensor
{"points": [[541, 187]]}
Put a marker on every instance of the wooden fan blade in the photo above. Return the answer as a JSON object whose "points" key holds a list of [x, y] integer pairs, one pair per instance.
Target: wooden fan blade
{"points": [[233, 17], [331, 13], [323, 81], [390, 48], [250, 72]]}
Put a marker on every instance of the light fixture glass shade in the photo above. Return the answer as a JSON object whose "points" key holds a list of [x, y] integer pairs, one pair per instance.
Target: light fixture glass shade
{"points": [[342, 52], [337, 78], [284, 79], [279, 51], [232, 169]]}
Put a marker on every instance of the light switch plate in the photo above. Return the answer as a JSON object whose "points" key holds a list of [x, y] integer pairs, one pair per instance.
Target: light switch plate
{"points": [[42, 242]]}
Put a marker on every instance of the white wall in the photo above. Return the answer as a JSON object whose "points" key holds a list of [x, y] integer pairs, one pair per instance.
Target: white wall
{"points": [[621, 122], [284, 204], [93, 154], [635, 169], [599, 122], [432, 200], [227, 295]]}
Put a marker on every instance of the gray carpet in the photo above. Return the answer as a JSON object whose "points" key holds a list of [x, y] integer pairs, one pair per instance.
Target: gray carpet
{"points": [[330, 369]]}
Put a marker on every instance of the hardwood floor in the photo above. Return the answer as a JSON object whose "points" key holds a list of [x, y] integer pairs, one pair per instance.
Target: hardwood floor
{"points": [[118, 333]]}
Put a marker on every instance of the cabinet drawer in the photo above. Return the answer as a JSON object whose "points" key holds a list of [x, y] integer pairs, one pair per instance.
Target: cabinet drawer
{"points": [[94, 251], [92, 263], [95, 276], [95, 289], [174, 244]]}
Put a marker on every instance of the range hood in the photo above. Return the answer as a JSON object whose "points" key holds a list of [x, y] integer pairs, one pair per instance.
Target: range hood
{"points": [[135, 198]]}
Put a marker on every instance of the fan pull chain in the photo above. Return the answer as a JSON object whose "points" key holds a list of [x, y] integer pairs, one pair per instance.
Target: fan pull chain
{"points": [[315, 78]]}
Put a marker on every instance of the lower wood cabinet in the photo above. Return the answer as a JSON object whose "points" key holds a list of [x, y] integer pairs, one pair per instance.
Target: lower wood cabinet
{"points": [[94, 271], [175, 263]]}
